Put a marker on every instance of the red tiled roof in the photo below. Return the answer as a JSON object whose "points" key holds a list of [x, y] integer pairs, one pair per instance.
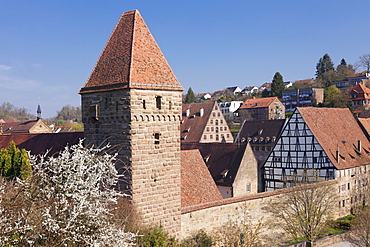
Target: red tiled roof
{"points": [[18, 127], [131, 59], [40, 143], [220, 157], [197, 185], [192, 127], [336, 129], [257, 102], [361, 90], [357, 75]]}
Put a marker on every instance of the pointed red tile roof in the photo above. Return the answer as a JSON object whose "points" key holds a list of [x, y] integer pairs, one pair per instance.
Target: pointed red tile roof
{"points": [[131, 59]]}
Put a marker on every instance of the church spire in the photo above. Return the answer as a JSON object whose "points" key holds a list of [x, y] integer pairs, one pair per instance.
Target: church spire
{"points": [[38, 111]]}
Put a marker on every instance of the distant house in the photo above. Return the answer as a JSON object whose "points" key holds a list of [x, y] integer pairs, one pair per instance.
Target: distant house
{"points": [[204, 122], [201, 96], [261, 135], [249, 90], [234, 90], [288, 84], [232, 166], [228, 109], [360, 95], [302, 98], [352, 80], [320, 144], [264, 86], [261, 109], [30, 126]]}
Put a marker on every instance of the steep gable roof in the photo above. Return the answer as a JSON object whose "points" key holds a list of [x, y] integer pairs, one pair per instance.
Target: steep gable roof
{"points": [[131, 59], [337, 130], [360, 89], [197, 185], [257, 102], [222, 159], [193, 125], [23, 127]]}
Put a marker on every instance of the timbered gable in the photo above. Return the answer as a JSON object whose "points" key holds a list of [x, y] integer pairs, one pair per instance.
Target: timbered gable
{"points": [[297, 156]]}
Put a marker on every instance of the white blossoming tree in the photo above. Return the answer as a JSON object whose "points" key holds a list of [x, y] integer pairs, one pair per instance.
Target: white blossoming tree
{"points": [[68, 201]]}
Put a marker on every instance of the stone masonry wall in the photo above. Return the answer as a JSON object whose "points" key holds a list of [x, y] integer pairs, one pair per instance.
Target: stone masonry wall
{"points": [[143, 126]]}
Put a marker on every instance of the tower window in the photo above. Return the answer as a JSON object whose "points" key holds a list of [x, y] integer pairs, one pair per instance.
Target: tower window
{"points": [[93, 111], [144, 104], [156, 137], [158, 101]]}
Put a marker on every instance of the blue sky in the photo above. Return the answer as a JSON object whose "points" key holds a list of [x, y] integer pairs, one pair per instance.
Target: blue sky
{"points": [[48, 48]]}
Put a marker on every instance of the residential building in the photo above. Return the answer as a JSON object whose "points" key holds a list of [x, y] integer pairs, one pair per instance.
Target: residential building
{"points": [[302, 98], [249, 90], [30, 126], [205, 96], [233, 167], [266, 85], [319, 144], [234, 90], [204, 122], [262, 136], [360, 95], [228, 109], [261, 109], [352, 80]]}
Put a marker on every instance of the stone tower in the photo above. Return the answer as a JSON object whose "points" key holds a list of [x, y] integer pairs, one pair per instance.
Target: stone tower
{"points": [[132, 101]]}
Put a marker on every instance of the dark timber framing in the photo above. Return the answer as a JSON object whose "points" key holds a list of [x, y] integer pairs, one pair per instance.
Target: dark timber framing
{"points": [[296, 157]]}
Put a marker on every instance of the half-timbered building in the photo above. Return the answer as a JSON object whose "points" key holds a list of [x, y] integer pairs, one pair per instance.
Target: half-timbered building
{"points": [[316, 144]]}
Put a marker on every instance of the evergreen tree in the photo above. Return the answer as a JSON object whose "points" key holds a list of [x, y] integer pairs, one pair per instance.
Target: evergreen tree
{"points": [[190, 97], [277, 85], [325, 72], [14, 162], [343, 70], [265, 93]]}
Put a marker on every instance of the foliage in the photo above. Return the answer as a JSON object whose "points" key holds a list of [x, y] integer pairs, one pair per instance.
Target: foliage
{"points": [[190, 97], [201, 239], [265, 93], [335, 98], [240, 232], [14, 162], [360, 230], [9, 111], [155, 237], [324, 67], [304, 211], [277, 85], [67, 202]]}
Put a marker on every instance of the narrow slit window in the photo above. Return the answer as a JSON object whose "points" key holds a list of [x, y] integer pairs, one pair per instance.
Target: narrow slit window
{"points": [[156, 138], [158, 101]]}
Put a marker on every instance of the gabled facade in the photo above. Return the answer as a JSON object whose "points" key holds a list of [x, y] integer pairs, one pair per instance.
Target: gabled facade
{"points": [[234, 90], [315, 145], [30, 126], [250, 90], [261, 109], [204, 122], [360, 95], [132, 100]]}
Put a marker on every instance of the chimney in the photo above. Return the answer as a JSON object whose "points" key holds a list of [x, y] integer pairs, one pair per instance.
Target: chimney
{"points": [[359, 145], [187, 112], [201, 112]]}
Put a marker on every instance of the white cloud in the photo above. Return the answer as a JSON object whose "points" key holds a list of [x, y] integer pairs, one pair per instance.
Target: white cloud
{"points": [[5, 67]]}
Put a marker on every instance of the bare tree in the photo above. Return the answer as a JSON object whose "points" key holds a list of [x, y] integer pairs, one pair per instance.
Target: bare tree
{"points": [[360, 230], [304, 211], [364, 62]]}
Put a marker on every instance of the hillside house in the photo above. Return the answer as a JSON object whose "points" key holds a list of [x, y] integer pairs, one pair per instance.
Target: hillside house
{"points": [[249, 90], [302, 98], [228, 109], [360, 95], [352, 80], [204, 122], [261, 109], [234, 90]]}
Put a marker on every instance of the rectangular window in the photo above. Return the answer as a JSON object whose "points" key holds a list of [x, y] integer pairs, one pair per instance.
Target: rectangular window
{"points": [[93, 111], [144, 105], [156, 138], [158, 101]]}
